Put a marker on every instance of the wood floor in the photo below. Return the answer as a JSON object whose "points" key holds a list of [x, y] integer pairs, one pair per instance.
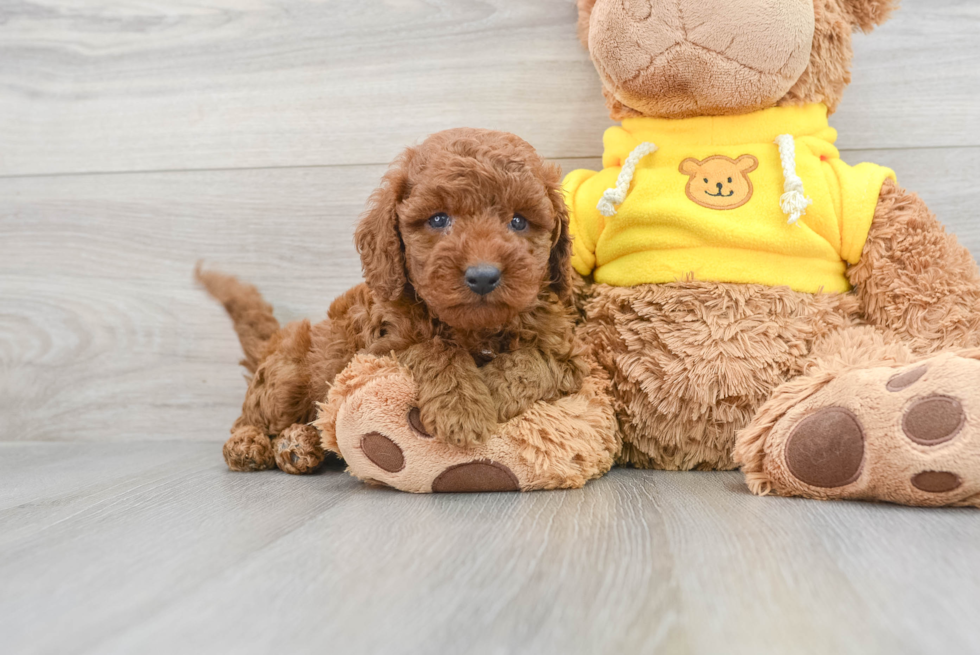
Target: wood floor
{"points": [[140, 136], [154, 547]]}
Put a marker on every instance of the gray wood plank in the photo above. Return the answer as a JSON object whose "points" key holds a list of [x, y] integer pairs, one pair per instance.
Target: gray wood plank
{"points": [[72, 571], [103, 334], [99, 312], [171, 553], [123, 85]]}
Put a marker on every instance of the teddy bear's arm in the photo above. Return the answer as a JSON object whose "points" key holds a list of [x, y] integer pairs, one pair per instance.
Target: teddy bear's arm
{"points": [[914, 278], [583, 189]]}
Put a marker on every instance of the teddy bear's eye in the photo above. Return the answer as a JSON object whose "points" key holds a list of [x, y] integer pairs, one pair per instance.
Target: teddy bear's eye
{"points": [[705, 180], [729, 180]]}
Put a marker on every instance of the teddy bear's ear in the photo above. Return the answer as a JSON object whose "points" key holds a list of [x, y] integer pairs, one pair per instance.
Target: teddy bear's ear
{"points": [[867, 14], [584, 14], [746, 164], [690, 166]]}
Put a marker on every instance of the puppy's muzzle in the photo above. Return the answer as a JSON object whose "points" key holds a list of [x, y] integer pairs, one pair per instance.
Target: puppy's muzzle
{"points": [[483, 278]]}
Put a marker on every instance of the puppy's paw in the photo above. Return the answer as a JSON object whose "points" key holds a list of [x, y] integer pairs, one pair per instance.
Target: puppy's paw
{"points": [[519, 380], [455, 421], [298, 449], [508, 400], [249, 449]]}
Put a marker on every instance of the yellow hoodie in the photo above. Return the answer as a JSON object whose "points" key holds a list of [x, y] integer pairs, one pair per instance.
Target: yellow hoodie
{"points": [[705, 204]]}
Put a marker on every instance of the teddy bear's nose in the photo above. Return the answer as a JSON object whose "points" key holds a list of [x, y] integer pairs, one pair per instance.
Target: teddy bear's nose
{"points": [[719, 186]]}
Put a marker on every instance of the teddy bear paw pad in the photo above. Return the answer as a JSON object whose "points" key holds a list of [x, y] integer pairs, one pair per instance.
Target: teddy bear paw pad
{"points": [[483, 475], [933, 420], [826, 449], [906, 436], [406, 457], [372, 420]]}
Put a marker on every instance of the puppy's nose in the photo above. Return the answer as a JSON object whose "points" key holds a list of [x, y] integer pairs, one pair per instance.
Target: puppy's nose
{"points": [[483, 278]]}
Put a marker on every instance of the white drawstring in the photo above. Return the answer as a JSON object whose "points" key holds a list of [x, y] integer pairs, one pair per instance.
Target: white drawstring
{"points": [[793, 201], [616, 195]]}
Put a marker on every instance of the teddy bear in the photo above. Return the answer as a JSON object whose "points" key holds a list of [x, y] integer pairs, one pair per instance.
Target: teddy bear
{"points": [[756, 301]]}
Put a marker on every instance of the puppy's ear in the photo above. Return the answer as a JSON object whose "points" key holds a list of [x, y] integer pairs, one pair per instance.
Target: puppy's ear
{"points": [[377, 236], [584, 15], [560, 262], [867, 14]]}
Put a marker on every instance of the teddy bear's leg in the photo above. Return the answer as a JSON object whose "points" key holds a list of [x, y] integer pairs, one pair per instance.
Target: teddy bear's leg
{"points": [[915, 279], [871, 420], [691, 363], [249, 449], [371, 420]]}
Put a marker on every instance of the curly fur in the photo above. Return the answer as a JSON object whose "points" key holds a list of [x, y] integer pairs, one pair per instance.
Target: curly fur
{"points": [[477, 359]]}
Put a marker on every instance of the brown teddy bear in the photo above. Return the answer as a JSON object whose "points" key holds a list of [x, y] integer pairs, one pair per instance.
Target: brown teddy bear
{"points": [[756, 301]]}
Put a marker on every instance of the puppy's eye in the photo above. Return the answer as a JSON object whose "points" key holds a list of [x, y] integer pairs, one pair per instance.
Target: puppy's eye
{"points": [[518, 223], [439, 221]]}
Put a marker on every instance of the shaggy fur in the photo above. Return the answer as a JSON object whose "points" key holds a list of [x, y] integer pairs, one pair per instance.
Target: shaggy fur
{"points": [[916, 279], [692, 362], [476, 359]]}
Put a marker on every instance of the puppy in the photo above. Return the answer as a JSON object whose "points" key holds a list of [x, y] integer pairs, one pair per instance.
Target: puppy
{"points": [[466, 258]]}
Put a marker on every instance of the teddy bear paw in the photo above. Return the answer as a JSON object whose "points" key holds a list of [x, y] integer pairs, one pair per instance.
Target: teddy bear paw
{"points": [[906, 436], [474, 475], [371, 419], [381, 437]]}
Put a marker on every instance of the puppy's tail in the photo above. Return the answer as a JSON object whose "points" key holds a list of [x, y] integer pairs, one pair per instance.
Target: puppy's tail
{"points": [[251, 315]]}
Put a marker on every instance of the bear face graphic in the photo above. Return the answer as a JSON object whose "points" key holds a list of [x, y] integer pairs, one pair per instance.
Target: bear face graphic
{"points": [[719, 182]]}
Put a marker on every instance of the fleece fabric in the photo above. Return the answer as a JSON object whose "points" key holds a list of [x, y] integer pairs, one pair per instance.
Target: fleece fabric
{"points": [[706, 205]]}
